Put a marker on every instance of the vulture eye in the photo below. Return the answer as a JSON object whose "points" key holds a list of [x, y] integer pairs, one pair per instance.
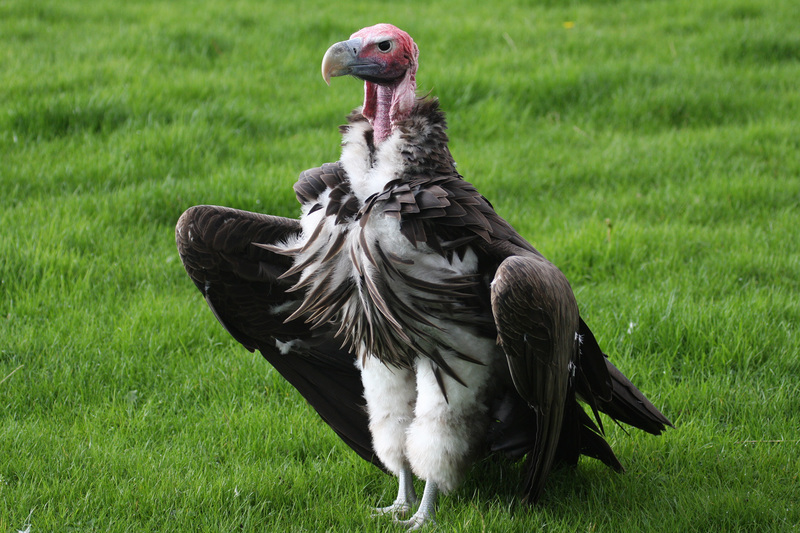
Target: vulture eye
{"points": [[385, 46]]}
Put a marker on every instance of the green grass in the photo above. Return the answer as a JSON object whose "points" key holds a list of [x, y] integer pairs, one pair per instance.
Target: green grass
{"points": [[652, 151]]}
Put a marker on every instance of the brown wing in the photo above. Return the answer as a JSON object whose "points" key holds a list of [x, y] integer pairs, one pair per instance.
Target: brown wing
{"points": [[240, 282], [553, 358], [537, 323]]}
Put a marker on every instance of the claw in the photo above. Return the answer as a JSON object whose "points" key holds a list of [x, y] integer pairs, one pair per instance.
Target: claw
{"points": [[416, 522], [398, 508]]}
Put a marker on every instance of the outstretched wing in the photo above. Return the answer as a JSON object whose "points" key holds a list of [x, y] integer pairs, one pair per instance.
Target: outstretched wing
{"points": [[242, 285], [537, 323]]}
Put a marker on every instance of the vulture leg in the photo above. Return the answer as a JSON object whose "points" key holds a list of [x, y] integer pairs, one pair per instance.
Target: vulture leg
{"points": [[406, 495], [390, 396], [427, 508], [537, 323], [428, 422]]}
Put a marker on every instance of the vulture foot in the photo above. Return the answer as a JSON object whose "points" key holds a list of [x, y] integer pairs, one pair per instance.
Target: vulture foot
{"points": [[398, 508], [426, 511], [416, 522], [406, 496]]}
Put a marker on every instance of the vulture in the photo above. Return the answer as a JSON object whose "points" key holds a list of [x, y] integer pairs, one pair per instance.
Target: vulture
{"points": [[413, 318]]}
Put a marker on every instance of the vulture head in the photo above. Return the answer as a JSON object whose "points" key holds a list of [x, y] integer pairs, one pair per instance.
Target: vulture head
{"points": [[385, 57]]}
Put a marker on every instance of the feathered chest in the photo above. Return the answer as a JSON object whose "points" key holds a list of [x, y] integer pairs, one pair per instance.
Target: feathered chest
{"points": [[362, 274], [387, 253]]}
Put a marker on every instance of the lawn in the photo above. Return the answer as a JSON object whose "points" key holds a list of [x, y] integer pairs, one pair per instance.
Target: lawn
{"points": [[650, 149]]}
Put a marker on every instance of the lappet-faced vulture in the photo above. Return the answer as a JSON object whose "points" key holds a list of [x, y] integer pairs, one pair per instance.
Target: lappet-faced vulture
{"points": [[415, 320]]}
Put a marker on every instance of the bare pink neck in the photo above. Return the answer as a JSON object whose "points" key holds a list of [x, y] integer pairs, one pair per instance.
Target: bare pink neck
{"points": [[386, 105], [382, 121]]}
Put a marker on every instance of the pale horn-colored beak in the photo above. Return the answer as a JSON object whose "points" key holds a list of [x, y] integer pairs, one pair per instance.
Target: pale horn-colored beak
{"points": [[339, 59]]}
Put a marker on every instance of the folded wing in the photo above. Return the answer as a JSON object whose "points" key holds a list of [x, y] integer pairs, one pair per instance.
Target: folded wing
{"points": [[537, 320]]}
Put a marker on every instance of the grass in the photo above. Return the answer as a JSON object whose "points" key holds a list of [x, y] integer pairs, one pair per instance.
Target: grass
{"points": [[649, 149]]}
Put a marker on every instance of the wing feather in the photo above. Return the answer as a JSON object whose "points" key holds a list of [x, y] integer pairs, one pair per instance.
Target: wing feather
{"points": [[537, 322], [247, 290]]}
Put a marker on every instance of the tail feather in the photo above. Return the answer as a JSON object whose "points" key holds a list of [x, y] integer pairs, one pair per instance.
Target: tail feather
{"points": [[593, 444], [580, 435], [514, 430], [603, 387], [630, 406]]}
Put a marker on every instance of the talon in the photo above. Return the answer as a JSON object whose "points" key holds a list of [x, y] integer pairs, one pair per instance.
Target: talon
{"points": [[398, 508], [416, 522]]}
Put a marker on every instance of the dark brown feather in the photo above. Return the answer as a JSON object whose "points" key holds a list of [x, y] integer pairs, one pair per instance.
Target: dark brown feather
{"points": [[537, 319], [242, 282]]}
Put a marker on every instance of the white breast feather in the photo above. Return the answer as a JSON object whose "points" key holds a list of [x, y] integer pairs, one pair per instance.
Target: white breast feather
{"points": [[366, 179]]}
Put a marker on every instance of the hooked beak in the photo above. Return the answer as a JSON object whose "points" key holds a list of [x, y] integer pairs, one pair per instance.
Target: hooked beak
{"points": [[341, 59]]}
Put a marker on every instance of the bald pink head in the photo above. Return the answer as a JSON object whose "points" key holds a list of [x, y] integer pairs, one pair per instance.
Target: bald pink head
{"points": [[390, 47], [385, 57]]}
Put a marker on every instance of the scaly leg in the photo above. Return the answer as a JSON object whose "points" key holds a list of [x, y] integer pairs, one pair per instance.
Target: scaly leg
{"points": [[426, 511], [406, 495]]}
